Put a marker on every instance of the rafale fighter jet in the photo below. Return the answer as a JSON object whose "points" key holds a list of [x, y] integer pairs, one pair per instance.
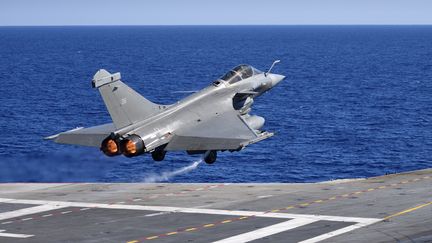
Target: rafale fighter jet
{"points": [[214, 119]]}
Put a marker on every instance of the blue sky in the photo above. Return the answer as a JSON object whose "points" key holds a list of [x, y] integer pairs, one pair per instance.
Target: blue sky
{"points": [[215, 12]]}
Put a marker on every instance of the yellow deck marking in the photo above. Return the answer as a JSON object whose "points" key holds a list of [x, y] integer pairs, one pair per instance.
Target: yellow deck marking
{"points": [[408, 210], [152, 237], [316, 201]]}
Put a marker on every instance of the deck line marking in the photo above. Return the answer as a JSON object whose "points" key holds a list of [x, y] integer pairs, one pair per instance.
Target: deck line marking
{"points": [[371, 221], [267, 231], [339, 232], [50, 205], [152, 237], [408, 210], [155, 214], [342, 196], [31, 210], [13, 235]]}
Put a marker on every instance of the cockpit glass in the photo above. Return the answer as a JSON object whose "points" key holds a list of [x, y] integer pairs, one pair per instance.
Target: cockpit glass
{"points": [[239, 73], [245, 71], [231, 77], [256, 71]]}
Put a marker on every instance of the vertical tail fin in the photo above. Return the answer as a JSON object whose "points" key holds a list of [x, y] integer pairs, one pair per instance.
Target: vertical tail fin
{"points": [[124, 105]]}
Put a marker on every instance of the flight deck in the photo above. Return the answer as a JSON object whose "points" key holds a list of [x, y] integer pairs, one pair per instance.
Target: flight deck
{"points": [[391, 208]]}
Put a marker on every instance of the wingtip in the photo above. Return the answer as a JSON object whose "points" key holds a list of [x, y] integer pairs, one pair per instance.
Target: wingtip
{"points": [[52, 137]]}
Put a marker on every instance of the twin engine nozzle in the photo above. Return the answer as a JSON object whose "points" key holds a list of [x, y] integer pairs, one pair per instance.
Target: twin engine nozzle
{"points": [[130, 146]]}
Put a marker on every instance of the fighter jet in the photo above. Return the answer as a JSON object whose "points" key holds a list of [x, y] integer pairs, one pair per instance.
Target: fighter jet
{"points": [[216, 118]]}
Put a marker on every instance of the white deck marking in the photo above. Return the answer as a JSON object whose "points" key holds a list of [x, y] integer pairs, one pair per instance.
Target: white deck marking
{"points": [[156, 214], [31, 210], [13, 235], [297, 220], [267, 231], [188, 210], [338, 232]]}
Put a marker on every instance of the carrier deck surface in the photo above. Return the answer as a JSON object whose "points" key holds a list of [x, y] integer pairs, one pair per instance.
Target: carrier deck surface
{"points": [[392, 208]]}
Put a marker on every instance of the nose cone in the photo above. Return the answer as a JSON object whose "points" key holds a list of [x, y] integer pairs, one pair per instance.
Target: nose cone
{"points": [[276, 78]]}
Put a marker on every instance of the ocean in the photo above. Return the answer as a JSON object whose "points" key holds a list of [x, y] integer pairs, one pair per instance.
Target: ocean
{"points": [[357, 100]]}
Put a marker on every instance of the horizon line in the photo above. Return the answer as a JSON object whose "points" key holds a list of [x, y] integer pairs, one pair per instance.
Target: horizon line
{"points": [[179, 25]]}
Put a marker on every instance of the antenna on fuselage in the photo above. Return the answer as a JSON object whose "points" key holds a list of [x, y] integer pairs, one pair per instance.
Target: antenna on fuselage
{"points": [[271, 67]]}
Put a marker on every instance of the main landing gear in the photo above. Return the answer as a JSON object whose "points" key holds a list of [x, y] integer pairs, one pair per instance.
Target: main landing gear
{"points": [[158, 155], [210, 156]]}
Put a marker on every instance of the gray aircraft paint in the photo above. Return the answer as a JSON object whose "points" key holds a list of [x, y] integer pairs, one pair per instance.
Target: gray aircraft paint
{"points": [[215, 118]]}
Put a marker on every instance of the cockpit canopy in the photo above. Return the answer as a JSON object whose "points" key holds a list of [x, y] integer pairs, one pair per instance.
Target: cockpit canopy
{"points": [[239, 73]]}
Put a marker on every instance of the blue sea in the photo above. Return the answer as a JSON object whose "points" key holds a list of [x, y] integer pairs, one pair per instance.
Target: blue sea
{"points": [[357, 100]]}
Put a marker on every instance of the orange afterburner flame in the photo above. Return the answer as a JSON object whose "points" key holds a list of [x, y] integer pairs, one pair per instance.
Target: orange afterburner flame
{"points": [[130, 147], [111, 147]]}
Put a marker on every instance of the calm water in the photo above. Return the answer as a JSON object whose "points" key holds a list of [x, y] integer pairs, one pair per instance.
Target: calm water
{"points": [[357, 101]]}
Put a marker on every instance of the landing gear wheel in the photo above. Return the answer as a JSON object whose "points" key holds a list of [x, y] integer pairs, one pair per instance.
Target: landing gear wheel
{"points": [[158, 155], [211, 156]]}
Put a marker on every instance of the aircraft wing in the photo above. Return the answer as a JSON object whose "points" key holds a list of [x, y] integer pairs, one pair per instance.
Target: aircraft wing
{"points": [[225, 131], [92, 136]]}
